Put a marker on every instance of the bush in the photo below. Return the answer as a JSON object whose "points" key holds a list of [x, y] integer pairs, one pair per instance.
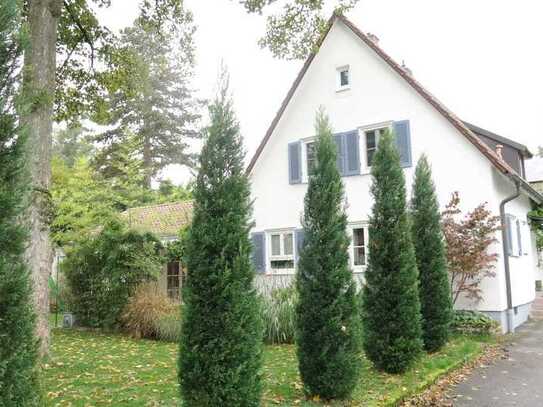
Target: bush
{"points": [[390, 306], [168, 327], [279, 315], [328, 335], [104, 270], [145, 309], [473, 323], [220, 355]]}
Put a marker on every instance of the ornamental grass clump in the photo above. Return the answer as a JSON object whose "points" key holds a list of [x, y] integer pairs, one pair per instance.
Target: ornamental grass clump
{"points": [[328, 335], [279, 315]]}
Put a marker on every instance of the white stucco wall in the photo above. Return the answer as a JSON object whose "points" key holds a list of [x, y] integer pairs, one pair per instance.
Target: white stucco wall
{"points": [[378, 94]]}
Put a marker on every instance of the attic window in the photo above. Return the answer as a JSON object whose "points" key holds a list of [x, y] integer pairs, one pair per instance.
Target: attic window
{"points": [[343, 78]]}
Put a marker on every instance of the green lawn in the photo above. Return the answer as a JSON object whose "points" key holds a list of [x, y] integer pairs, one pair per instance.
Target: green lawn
{"points": [[89, 368]]}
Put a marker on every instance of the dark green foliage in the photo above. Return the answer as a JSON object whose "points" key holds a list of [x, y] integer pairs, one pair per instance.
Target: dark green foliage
{"points": [[18, 345], [390, 299], [473, 323], [221, 337], [104, 270], [329, 326], [434, 288]]}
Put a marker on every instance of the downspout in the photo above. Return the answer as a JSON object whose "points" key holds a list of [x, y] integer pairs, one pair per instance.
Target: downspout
{"points": [[510, 325]]}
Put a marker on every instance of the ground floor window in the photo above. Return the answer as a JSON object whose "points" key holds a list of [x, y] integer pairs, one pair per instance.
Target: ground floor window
{"points": [[173, 280], [358, 248], [282, 251]]}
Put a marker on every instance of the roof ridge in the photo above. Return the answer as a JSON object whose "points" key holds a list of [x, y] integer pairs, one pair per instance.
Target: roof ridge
{"points": [[159, 205]]}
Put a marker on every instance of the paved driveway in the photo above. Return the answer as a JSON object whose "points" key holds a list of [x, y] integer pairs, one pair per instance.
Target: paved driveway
{"points": [[514, 381]]}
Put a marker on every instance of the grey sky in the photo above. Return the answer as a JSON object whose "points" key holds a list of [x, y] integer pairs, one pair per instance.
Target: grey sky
{"points": [[483, 58]]}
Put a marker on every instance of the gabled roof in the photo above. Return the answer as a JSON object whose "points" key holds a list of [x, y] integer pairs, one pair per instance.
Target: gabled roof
{"points": [[500, 139], [490, 154], [164, 220]]}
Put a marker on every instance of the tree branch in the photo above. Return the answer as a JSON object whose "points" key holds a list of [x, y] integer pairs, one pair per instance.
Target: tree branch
{"points": [[84, 32]]}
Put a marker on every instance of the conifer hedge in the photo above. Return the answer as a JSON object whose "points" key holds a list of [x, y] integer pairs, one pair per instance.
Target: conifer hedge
{"points": [[328, 320], [390, 299], [434, 288], [18, 344], [221, 339]]}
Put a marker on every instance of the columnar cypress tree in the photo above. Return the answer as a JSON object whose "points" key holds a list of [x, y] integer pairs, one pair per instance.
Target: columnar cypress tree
{"points": [[434, 289], [328, 320], [390, 301], [18, 344], [221, 344]]}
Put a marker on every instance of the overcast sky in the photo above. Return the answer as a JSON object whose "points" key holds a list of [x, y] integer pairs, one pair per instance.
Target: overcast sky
{"points": [[482, 58]]}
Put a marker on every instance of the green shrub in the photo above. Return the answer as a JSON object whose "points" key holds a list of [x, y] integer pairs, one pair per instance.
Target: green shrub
{"points": [[473, 323], [144, 309], [168, 327], [220, 355], [60, 295], [390, 306], [104, 270], [328, 335], [279, 315]]}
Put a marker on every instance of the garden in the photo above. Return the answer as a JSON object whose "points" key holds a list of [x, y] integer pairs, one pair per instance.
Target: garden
{"points": [[88, 367]]}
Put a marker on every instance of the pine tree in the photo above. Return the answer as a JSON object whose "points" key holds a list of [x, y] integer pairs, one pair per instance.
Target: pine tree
{"points": [[328, 320], [434, 289], [221, 344], [18, 344], [390, 302]]}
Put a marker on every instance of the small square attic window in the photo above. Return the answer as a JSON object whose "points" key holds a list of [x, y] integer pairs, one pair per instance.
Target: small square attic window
{"points": [[343, 78]]}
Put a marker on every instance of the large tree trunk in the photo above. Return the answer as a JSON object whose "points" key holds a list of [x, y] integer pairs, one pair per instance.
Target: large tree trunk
{"points": [[39, 85]]}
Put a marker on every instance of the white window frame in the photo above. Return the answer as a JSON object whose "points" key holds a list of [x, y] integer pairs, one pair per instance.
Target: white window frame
{"points": [[351, 227], [305, 166], [339, 70], [365, 168], [526, 234], [282, 256]]}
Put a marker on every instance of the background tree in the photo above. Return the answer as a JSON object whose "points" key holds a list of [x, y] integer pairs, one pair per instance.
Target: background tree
{"points": [[294, 31], [155, 102], [328, 319], [18, 345], [434, 289], [468, 242], [220, 356], [76, 88], [390, 298]]}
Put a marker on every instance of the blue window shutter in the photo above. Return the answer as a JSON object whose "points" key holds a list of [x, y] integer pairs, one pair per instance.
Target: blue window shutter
{"points": [[509, 234], [259, 252], [519, 237], [403, 142], [299, 235], [295, 162], [352, 153], [340, 150]]}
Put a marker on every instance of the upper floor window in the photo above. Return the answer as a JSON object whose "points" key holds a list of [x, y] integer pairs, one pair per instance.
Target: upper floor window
{"points": [[311, 157], [343, 78], [372, 139]]}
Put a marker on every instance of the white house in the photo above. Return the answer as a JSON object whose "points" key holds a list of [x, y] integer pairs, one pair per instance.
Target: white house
{"points": [[364, 91]]}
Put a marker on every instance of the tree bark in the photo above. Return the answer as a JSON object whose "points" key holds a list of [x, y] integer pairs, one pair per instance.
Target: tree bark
{"points": [[39, 86]]}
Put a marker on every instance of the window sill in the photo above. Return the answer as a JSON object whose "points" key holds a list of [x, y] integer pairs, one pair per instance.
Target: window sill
{"points": [[343, 89]]}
